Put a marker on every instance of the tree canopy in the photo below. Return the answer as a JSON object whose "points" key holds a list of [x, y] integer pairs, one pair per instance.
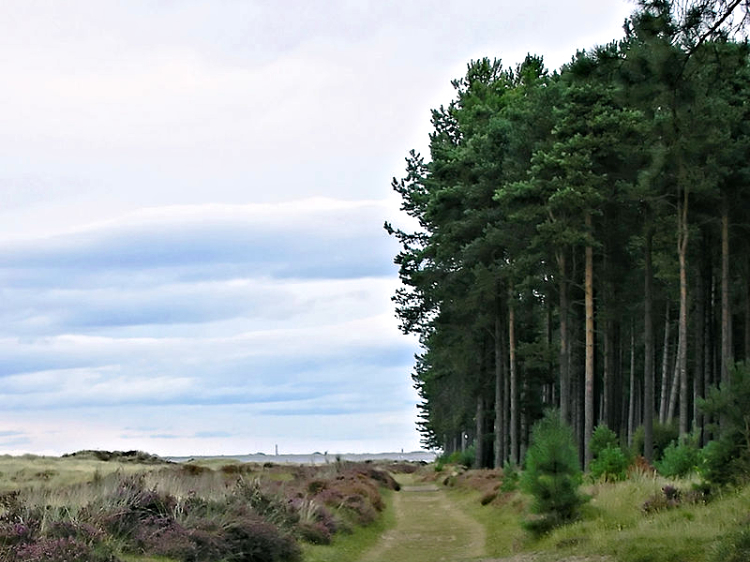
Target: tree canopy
{"points": [[581, 239]]}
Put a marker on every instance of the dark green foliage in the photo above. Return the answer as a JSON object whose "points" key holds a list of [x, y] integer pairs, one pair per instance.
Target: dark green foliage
{"points": [[601, 439], [679, 459], [664, 434], [511, 478], [610, 464], [616, 170], [464, 458], [135, 457], [727, 460], [552, 475]]}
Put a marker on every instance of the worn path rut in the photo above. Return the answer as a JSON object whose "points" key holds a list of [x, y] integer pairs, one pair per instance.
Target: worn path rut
{"points": [[429, 528]]}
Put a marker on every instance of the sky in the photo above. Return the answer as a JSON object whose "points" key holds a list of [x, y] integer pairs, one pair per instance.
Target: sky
{"points": [[192, 198]]}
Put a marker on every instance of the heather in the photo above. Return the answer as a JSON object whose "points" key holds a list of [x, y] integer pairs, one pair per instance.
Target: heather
{"points": [[189, 512]]}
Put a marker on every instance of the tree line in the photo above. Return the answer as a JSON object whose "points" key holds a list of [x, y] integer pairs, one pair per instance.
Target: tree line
{"points": [[581, 238]]}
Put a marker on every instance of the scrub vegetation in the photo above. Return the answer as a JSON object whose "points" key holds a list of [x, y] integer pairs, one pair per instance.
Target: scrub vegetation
{"points": [[82, 508], [644, 518]]}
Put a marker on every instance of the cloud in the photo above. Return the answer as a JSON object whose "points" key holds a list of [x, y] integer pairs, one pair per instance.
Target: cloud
{"points": [[276, 308], [260, 265], [191, 204], [312, 238]]}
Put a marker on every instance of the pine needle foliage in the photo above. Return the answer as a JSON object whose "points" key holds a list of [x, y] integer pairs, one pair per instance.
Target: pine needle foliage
{"points": [[552, 475]]}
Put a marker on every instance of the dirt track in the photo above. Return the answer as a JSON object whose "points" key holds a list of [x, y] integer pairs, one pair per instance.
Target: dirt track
{"points": [[429, 528]]}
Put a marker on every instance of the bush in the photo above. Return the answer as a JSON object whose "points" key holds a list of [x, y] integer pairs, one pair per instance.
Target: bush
{"points": [[611, 464], [60, 550], [258, 541], [552, 475], [727, 460], [664, 434], [668, 499], [602, 438], [464, 458], [679, 459], [510, 478]]}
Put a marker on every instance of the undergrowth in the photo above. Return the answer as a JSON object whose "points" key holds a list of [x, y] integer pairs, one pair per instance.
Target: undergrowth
{"points": [[646, 518]]}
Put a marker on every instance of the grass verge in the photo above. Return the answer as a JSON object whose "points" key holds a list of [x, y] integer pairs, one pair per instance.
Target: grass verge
{"points": [[350, 547], [614, 525]]}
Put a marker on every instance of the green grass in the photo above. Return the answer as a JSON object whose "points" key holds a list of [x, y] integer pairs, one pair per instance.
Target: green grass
{"points": [[505, 535], [53, 473], [614, 525], [350, 547]]}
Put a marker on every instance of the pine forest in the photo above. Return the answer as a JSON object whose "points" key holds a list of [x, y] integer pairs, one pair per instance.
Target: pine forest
{"points": [[580, 240]]}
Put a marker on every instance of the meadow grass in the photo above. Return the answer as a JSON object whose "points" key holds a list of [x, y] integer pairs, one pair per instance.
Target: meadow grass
{"points": [[614, 524], [53, 473]]}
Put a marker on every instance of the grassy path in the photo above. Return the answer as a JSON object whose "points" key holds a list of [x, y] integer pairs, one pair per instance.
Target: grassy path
{"points": [[429, 528]]}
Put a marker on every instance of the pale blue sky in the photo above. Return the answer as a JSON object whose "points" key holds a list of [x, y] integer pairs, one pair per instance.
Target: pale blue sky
{"points": [[192, 195]]}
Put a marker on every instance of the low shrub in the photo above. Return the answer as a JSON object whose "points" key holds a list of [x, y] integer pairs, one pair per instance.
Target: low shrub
{"points": [[163, 536], [610, 464], [60, 550], [552, 475], [602, 438], [664, 434], [315, 533], [465, 458], [229, 517], [726, 461], [679, 459], [672, 497], [258, 541]]}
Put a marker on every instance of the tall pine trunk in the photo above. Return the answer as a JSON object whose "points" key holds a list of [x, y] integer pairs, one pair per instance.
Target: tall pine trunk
{"points": [[500, 427], [727, 358], [479, 443], [664, 394], [682, 247], [674, 389], [589, 397], [747, 309], [648, 352], [564, 358], [699, 332], [631, 393], [514, 425]]}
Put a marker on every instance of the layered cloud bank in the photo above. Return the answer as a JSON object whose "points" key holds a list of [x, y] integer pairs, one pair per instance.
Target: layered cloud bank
{"points": [[213, 328], [192, 195]]}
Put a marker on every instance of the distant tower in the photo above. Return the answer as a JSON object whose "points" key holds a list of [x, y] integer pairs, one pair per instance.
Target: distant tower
{"points": [[277, 450]]}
